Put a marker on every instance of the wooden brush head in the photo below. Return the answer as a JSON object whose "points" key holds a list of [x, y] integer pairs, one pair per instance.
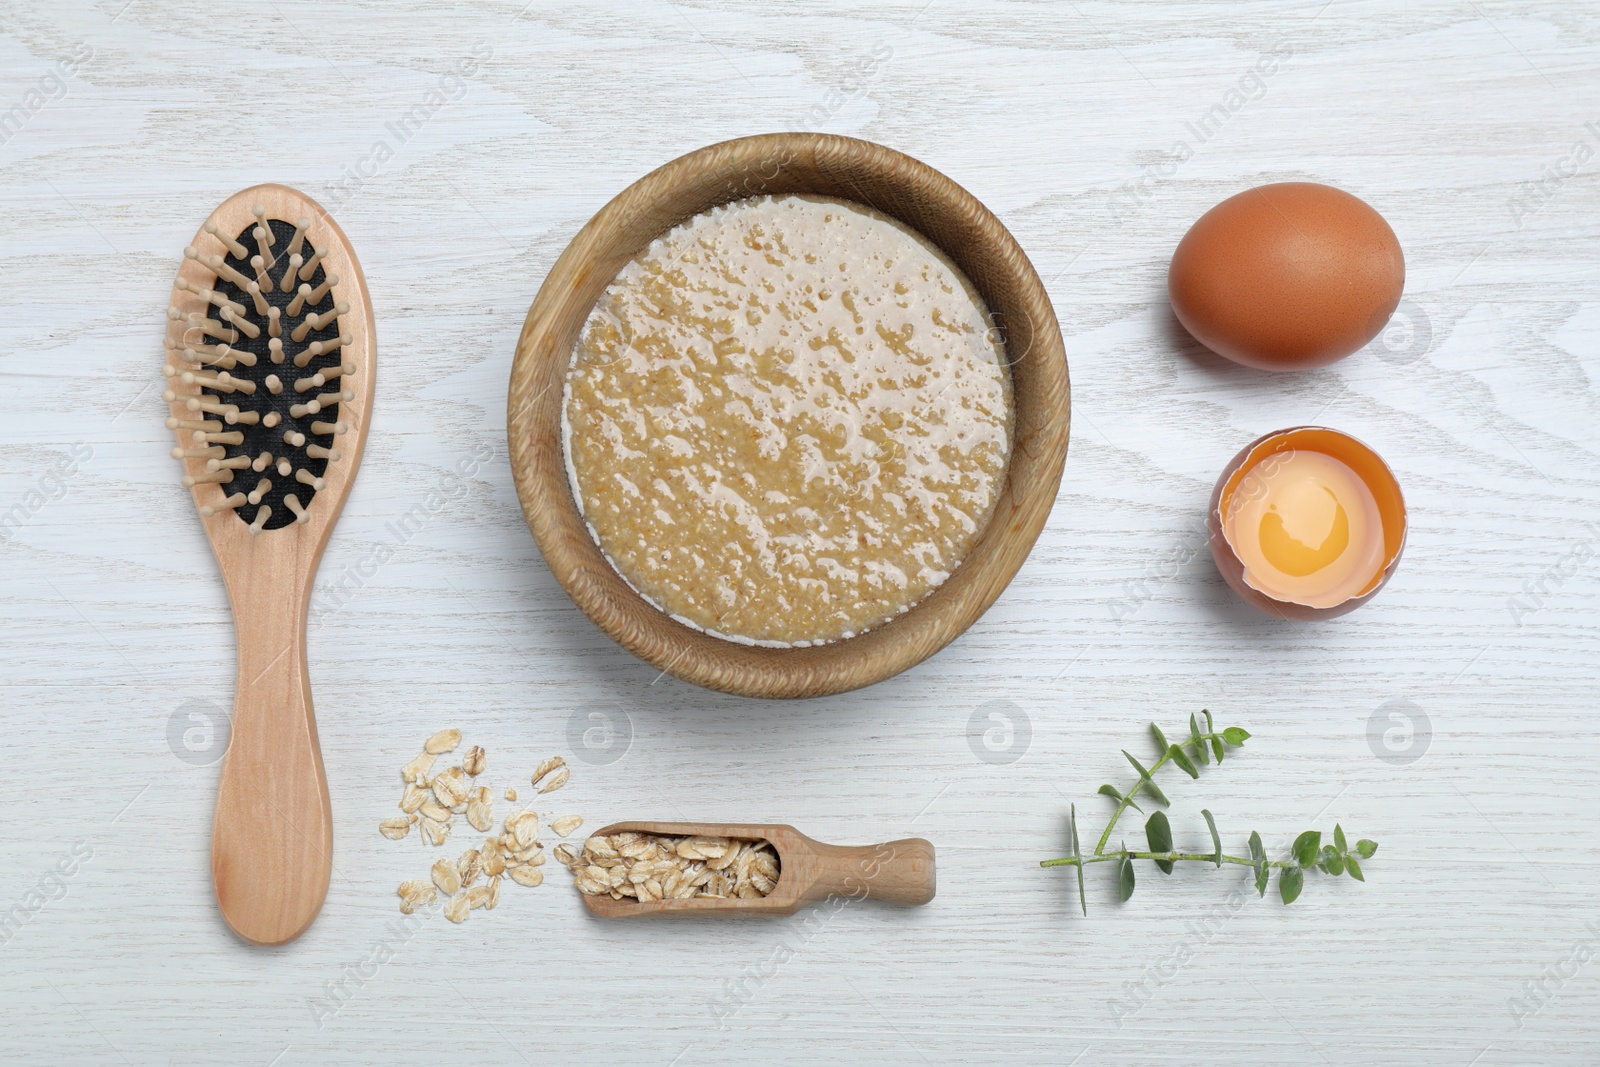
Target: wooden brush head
{"points": [[269, 364]]}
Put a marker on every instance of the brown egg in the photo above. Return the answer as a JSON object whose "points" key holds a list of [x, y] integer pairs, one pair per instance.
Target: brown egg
{"points": [[1287, 277]]}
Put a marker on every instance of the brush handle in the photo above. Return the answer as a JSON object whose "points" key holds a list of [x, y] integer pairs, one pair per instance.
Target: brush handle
{"points": [[898, 872], [272, 839]]}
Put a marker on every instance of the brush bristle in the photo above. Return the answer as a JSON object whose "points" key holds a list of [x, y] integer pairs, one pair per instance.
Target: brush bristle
{"points": [[271, 299]]}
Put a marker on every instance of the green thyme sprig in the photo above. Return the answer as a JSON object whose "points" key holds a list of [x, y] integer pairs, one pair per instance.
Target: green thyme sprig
{"points": [[1201, 746]]}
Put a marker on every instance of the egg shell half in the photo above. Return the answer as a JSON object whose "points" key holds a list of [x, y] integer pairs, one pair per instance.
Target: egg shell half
{"points": [[1366, 463], [1287, 277]]}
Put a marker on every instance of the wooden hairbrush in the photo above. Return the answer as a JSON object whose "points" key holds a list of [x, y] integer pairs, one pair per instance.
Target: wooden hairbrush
{"points": [[270, 362]]}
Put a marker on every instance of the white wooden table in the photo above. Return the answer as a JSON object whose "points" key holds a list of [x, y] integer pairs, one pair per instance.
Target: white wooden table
{"points": [[1453, 719]]}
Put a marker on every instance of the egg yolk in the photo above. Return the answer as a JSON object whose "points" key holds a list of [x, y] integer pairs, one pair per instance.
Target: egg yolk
{"points": [[1307, 529]]}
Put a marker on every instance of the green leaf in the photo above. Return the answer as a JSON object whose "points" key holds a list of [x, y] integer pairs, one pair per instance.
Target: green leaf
{"points": [[1366, 848], [1159, 833], [1216, 746], [1332, 861], [1072, 821], [1111, 791], [1259, 856], [1235, 735], [1144, 780], [1306, 847], [1290, 883], [1196, 740], [1161, 740], [1354, 869], [1125, 877], [1338, 839], [1256, 851], [1211, 727], [1177, 756], [1216, 838]]}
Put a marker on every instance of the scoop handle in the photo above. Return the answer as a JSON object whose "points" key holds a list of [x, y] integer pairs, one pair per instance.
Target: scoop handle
{"points": [[272, 836], [898, 872]]}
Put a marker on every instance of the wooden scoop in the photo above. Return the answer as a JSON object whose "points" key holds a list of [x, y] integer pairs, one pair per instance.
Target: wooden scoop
{"points": [[900, 872]]}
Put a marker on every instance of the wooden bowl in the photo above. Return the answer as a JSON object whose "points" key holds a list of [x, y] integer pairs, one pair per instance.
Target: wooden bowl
{"points": [[781, 163]]}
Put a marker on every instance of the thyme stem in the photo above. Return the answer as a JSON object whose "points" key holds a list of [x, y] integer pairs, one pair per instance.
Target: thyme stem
{"points": [[1307, 853], [1112, 857], [1127, 798]]}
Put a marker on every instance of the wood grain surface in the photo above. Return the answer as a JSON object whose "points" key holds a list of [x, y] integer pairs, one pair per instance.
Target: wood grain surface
{"points": [[779, 164], [1452, 719]]}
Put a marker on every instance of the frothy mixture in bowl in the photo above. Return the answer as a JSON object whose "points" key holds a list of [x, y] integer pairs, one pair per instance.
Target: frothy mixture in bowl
{"points": [[787, 420]]}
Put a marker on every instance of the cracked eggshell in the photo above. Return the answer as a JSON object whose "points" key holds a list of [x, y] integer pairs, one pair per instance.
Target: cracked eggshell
{"points": [[1366, 463]]}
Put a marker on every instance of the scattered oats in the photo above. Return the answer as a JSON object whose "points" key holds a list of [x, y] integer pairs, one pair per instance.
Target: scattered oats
{"points": [[415, 894], [442, 742], [415, 796], [417, 770], [469, 864], [446, 876], [449, 787], [430, 801], [493, 860], [546, 767], [480, 813], [524, 828]]}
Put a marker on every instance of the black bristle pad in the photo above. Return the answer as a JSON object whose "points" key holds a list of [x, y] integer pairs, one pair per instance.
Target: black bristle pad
{"points": [[259, 438]]}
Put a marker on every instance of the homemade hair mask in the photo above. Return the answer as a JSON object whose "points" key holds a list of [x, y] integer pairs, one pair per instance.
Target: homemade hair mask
{"points": [[1307, 523], [787, 420]]}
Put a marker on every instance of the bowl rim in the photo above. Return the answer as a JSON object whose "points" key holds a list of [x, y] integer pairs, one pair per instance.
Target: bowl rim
{"points": [[780, 163]]}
